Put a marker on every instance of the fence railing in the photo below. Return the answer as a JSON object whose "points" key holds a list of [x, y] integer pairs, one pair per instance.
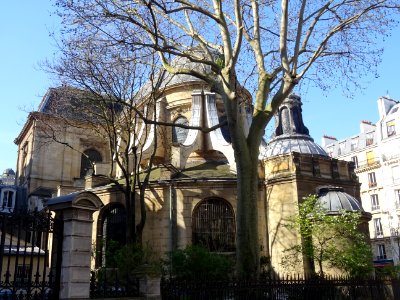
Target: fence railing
{"points": [[281, 289], [107, 282], [24, 256]]}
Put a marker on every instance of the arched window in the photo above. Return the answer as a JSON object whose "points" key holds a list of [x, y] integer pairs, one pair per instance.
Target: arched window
{"points": [[213, 225], [111, 234], [89, 157], [179, 134]]}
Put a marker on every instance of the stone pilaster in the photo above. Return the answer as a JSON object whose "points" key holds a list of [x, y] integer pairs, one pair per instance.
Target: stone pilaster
{"points": [[76, 213]]}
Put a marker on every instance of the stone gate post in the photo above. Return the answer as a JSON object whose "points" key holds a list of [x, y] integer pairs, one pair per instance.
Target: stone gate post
{"points": [[76, 211]]}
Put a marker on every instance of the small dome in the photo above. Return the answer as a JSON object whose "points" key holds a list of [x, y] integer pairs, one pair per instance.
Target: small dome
{"points": [[301, 144], [290, 134], [335, 199], [8, 172]]}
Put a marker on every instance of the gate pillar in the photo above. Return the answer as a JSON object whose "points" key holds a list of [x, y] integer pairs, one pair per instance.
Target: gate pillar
{"points": [[75, 211]]}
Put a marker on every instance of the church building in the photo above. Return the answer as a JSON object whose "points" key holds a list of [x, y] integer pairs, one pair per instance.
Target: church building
{"points": [[191, 197]]}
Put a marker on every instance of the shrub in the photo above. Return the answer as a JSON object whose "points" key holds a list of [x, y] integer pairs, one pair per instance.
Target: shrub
{"points": [[133, 259], [195, 262]]}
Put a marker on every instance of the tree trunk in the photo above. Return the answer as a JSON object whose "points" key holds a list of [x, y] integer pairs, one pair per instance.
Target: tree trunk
{"points": [[246, 150], [247, 242], [143, 215], [130, 216]]}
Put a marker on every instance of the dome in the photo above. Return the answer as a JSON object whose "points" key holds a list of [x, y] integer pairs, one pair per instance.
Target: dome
{"points": [[166, 79], [334, 199], [300, 144], [291, 135], [8, 172]]}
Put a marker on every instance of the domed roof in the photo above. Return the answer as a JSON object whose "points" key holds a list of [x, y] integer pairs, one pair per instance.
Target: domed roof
{"points": [[291, 135], [300, 144], [166, 79], [8, 172], [181, 62], [334, 199]]}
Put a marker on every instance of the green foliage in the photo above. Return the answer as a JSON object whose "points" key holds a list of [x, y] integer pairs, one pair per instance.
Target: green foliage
{"points": [[332, 239], [392, 272], [195, 262], [130, 261], [134, 259], [111, 250]]}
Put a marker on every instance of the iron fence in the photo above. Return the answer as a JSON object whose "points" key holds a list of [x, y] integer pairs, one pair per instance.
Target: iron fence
{"points": [[107, 283], [290, 288], [24, 255]]}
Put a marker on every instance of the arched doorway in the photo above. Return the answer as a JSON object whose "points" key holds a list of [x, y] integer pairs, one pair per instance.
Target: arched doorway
{"points": [[111, 236], [213, 225]]}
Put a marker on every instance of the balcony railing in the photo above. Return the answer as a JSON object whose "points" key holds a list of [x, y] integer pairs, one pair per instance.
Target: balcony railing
{"points": [[366, 164], [375, 207]]}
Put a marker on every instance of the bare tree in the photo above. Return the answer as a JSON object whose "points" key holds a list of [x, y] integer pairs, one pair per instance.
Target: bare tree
{"points": [[267, 46], [103, 88]]}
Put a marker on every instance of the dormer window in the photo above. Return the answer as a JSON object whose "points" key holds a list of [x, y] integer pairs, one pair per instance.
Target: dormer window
{"points": [[391, 128], [354, 144], [369, 138], [7, 200], [341, 148]]}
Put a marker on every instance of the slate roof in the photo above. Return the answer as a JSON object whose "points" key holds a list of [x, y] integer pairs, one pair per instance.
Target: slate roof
{"points": [[334, 199]]}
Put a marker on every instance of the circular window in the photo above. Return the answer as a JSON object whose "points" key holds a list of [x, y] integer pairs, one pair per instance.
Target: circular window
{"points": [[179, 134]]}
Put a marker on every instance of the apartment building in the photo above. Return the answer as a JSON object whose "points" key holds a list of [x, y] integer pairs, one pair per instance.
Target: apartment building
{"points": [[375, 152]]}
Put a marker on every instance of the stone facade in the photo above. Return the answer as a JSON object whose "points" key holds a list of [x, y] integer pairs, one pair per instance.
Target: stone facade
{"points": [[50, 148], [194, 175], [289, 178]]}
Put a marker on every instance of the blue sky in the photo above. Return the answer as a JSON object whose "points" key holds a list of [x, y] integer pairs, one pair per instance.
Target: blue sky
{"points": [[25, 41]]}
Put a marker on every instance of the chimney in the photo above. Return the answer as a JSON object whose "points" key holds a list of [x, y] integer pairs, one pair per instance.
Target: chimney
{"points": [[366, 126], [327, 140]]}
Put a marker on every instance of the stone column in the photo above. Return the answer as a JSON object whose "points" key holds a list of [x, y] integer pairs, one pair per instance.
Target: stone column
{"points": [[76, 210]]}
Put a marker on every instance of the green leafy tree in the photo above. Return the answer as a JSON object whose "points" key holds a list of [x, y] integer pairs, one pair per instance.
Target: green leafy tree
{"points": [[332, 239]]}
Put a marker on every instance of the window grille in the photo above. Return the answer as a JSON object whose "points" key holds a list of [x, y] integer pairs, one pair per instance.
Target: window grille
{"points": [[213, 225]]}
